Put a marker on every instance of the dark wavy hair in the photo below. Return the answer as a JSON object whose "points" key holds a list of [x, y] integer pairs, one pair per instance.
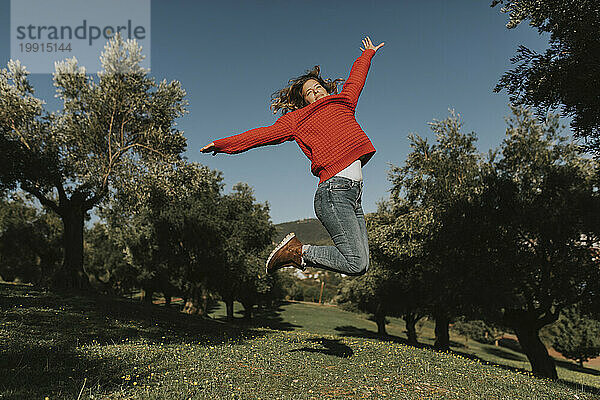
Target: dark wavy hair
{"points": [[290, 97]]}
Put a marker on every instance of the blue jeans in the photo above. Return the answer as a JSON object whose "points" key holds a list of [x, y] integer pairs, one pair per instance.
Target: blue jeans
{"points": [[338, 205]]}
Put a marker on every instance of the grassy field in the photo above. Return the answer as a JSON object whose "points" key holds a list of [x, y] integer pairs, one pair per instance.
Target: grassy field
{"points": [[75, 347]]}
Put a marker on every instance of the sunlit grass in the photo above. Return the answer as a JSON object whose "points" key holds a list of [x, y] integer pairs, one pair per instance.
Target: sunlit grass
{"points": [[50, 345]]}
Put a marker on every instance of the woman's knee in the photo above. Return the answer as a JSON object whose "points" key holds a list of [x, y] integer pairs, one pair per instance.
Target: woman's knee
{"points": [[358, 266]]}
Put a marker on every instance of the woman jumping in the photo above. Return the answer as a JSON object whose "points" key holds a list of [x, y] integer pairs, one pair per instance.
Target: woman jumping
{"points": [[323, 124]]}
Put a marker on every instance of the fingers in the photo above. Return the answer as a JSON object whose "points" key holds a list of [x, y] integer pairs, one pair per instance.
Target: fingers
{"points": [[207, 148], [368, 44]]}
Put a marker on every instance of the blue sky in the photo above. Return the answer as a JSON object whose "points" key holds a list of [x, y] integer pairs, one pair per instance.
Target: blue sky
{"points": [[231, 55]]}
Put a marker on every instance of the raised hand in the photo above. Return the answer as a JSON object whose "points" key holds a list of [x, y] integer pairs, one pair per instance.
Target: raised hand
{"points": [[208, 148], [369, 45]]}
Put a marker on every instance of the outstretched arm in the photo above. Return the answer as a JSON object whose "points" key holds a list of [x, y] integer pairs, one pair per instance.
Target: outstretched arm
{"points": [[358, 74], [282, 130]]}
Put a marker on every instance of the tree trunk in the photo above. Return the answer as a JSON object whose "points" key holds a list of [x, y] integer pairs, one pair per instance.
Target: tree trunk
{"points": [[527, 327], [197, 301], [167, 292], [147, 294], [71, 274], [380, 320], [229, 307], [248, 309], [442, 334], [411, 319]]}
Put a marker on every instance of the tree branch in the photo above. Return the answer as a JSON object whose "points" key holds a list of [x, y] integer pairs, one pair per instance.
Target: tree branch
{"points": [[90, 203], [12, 124], [40, 196], [62, 196], [118, 155], [141, 145], [122, 129], [548, 318], [528, 240], [112, 117]]}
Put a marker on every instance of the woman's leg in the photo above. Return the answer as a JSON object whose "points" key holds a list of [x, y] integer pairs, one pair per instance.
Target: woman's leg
{"points": [[362, 224], [337, 205]]}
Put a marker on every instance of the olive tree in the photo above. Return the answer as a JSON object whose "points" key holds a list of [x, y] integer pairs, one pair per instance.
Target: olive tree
{"points": [[72, 158]]}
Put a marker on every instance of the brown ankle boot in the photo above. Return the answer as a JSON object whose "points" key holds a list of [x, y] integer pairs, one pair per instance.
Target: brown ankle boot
{"points": [[287, 253]]}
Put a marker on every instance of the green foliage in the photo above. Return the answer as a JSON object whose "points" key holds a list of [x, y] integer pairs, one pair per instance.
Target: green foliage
{"points": [[375, 292], [310, 292], [439, 174], [542, 199], [287, 285], [576, 336], [166, 222], [406, 233], [531, 230], [478, 330], [180, 233], [106, 262], [29, 241], [247, 237], [567, 74], [508, 238], [101, 132], [107, 131]]}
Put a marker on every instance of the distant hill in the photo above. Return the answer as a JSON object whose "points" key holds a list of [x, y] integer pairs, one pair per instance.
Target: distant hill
{"points": [[309, 231]]}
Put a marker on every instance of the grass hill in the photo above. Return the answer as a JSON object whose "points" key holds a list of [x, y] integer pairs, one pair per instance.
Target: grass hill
{"points": [[308, 230], [73, 347]]}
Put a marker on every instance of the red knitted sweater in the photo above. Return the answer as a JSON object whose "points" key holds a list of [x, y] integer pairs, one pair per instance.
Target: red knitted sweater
{"points": [[326, 130]]}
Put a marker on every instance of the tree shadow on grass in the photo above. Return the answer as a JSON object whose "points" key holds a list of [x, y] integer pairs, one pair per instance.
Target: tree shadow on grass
{"points": [[50, 343], [40, 371], [571, 385], [264, 317], [79, 320], [516, 347], [332, 347], [510, 343], [576, 368], [349, 330], [498, 352], [353, 331]]}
